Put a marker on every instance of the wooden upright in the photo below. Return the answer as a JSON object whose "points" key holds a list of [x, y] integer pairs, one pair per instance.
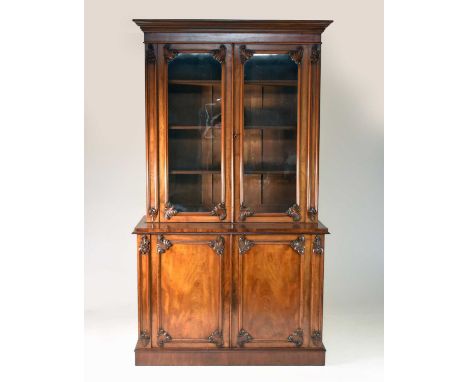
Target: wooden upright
{"points": [[230, 251]]}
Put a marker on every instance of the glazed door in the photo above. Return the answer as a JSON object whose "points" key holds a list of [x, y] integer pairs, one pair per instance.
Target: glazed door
{"points": [[194, 88], [189, 284], [270, 122], [270, 274]]}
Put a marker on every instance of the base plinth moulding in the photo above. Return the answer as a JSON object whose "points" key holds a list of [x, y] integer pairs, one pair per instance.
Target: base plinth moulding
{"points": [[230, 357]]}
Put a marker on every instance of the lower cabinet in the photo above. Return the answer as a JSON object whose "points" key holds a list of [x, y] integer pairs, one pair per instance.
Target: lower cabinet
{"points": [[233, 291]]}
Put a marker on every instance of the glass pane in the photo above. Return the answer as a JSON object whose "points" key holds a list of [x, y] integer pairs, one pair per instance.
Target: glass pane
{"points": [[270, 132], [194, 108]]}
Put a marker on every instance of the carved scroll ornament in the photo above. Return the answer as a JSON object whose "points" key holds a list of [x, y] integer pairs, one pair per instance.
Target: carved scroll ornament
{"points": [[163, 337], [217, 245], [317, 248], [245, 54], [169, 211], [163, 244], [244, 245], [145, 245], [216, 338], [316, 337], [150, 56], [169, 54], [243, 337], [144, 338], [312, 213], [297, 337], [294, 212], [315, 55], [219, 54], [245, 212], [296, 55], [219, 210], [298, 245]]}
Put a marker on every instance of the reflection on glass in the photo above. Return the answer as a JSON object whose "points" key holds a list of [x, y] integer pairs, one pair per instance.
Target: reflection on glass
{"points": [[270, 132], [194, 114]]}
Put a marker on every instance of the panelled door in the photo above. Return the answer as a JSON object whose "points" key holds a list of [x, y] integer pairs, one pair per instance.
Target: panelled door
{"points": [[270, 125], [190, 284], [272, 289], [194, 93]]}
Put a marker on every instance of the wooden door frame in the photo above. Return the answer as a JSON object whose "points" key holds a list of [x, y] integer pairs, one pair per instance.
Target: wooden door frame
{"points": [[162, 247], [237, 285], [167, 52], [296, 52]]}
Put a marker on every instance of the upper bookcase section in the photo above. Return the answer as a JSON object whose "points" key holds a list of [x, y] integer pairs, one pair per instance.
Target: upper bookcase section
{"points": [[232, 31]]}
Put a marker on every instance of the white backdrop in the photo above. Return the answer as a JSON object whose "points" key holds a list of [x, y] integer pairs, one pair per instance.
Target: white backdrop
{"points": [[351, 158]]}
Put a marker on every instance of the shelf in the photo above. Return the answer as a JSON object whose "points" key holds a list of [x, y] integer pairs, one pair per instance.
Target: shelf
{"points": [[195, 82], [269, 172], [270, 127], [194, 172], [193, 127], [272, 82]]}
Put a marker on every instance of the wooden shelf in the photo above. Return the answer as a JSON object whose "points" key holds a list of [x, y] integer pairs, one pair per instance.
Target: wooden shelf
{"points": [[270, 127], [269, 172], [195, 82], [192, 127], [272, 82], [194, 172]]}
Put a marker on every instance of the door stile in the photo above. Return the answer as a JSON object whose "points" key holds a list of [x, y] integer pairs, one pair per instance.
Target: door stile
{"points": [[144, 289], [317, 273]]}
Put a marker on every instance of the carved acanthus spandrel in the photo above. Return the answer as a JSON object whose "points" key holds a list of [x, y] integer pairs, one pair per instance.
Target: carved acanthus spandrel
{"points": [[298, 245], [216, 338], [149, 53], [295, 212], [312, 213], [316, 337], [163, 337], [153, 213], [145, 245], [296, 55], [297, 337], [217, 245], [219, 54], [169, 211], [317, 248], [219, 210], [163, 244], [243, 337], [245, 212], [144, 338], [244, 245], [169, 54], [245, 54], [315, 54]]}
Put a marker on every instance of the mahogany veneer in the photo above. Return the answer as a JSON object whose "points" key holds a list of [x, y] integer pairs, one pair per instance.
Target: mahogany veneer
{"points": [[230, 252]]}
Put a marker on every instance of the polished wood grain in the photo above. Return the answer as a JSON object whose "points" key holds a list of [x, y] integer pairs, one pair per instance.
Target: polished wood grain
{"points": [[232, 292]]}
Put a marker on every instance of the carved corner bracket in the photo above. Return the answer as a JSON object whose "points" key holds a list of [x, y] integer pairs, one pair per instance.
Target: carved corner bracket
{"points": [[312, 213], [296, 55], [245, 54], [169, 211], [244, 245], [216, 338], [243, 337], [144, 338], [295, 212], [318, 248], [245, 212], [145, 245], [169, 54], [217, 245], [315, 54], [297, 337], [219, 210], [219, 54], [163, 337], [298, 245], [150, 56], [316, 337], [153, 212], [163, 244]]}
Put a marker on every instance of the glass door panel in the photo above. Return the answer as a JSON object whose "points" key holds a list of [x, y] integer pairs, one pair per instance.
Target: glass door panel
{"points": [[194, 133], [269, 134]]}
